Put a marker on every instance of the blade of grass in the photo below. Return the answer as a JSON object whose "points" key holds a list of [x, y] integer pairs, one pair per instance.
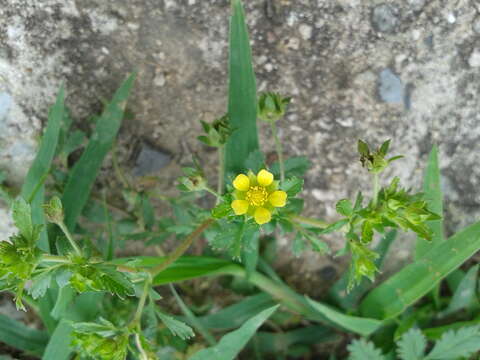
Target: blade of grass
{"points": [[242, 98], [58, 347], [415, 280], [83, 174], [434, 197], [33, 188], [21, 337], [232, 343]]}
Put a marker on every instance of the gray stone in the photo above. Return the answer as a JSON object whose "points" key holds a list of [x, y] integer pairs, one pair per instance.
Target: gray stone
{"points": [[476, 25], [385, 18], [150, 160], [417, 5], [390, 87]]}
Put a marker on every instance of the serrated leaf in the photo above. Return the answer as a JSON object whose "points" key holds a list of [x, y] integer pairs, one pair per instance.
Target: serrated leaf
{"points": [[412, 345], [317, 244], [177, 327], [456, 344], [294, 166], [298, 246], [255, 161], [363, 148], [344, 207], [22, 218], [364, 350], [221, 210], [292, 186], [40, 284]]}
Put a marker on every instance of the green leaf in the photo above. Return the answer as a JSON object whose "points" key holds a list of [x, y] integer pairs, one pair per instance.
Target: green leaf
{"points": [[457, 344], [363, 326], [192, 319], [235, 315], [363, 148], [255, 161], [22, 337], [412, 345], [349, 300], [415, 280], [344, 207], [221, 210], [33, 185], [250, 250], [74, 141], [58, 347], [177, 328], [364, 350], [40, 284], [317, 244], [22, 218], [292, 186], [294, 167], [242, 97], [433, 195], [231, 344], [83, 174], [465, 295]]}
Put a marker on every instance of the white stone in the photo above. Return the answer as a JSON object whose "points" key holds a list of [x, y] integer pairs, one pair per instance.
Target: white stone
{"points": [[305, 31], [474, 60]]}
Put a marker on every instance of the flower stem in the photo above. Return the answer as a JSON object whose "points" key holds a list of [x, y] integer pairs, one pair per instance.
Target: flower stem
{"points": [[54, 259], [143, 299], [69, 237], [278, 146], [221, 170], [375, 190], [309, 221], [180, 250], [213, 192]]}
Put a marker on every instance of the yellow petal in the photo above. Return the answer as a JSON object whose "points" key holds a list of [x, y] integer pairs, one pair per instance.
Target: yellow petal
{"points": [[240, 207], [278, 198], [241, 182], [262, 216], [264, 178]]}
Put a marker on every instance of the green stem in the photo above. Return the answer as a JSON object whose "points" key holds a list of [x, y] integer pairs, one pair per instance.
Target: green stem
{"points": [[213, 192], [278, 146], [54, 259], [37, 187], [221, 170], [141, 303], [375, 190], [309, 221], [180, 250], [70, 238]]}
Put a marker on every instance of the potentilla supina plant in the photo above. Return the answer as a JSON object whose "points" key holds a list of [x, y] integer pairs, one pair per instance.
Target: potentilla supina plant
{"points": [[257, 196]]}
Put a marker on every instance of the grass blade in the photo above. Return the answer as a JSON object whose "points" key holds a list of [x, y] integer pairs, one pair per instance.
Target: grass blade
{"points": [[22, 337], [33, 188], [83, 174], [360, 325], [58, 347], [242, 98], [415, 280], [433, 195], [231, 344]]}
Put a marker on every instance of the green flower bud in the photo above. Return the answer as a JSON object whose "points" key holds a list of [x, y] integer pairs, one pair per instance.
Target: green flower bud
{"points": [[54, 210], [217, 133], [272, 106], [193, 181]]}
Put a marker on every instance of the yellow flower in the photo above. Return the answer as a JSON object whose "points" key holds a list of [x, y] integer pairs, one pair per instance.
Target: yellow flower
{"points": [[257, 196]]}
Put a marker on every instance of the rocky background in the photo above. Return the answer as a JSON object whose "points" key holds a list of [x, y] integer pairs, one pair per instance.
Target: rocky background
{"points": [[408, 70]]}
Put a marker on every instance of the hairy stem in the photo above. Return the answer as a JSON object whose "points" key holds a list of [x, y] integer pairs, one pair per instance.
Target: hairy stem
{"points": [[278, 146], [143, 299], [54, 259], [375, 190], [180, 250], [309, 221], [221, 170], [70, 238]]}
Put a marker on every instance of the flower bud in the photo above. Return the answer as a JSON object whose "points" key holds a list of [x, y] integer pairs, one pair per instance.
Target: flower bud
{"points": [[54, 210], [272, 106]]}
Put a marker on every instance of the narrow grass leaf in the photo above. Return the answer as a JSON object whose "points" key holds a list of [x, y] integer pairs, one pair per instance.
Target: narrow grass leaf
{"points": [[21, 337], [415, 280], [83, 174], [242, 97], [465, 295], [360, 325], [33, 188], [434, 197], [231, 344], [58, 347]]}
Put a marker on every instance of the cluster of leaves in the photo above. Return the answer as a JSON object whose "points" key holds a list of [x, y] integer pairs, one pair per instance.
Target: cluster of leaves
{"points": [[453, 345], [391, 207], [216, 133]]}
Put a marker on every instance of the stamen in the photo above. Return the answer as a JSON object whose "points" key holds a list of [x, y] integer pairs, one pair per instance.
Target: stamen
{"points": [[257, 195]]}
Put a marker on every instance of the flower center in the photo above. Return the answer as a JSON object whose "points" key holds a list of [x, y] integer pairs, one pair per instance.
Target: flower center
{"points": [[257, 195]]}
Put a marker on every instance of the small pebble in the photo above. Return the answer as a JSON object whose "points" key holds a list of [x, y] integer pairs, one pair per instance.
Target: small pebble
{"points": [[390, 87], [305, 31], [150, 160], [474, 60], [385, 18]]}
